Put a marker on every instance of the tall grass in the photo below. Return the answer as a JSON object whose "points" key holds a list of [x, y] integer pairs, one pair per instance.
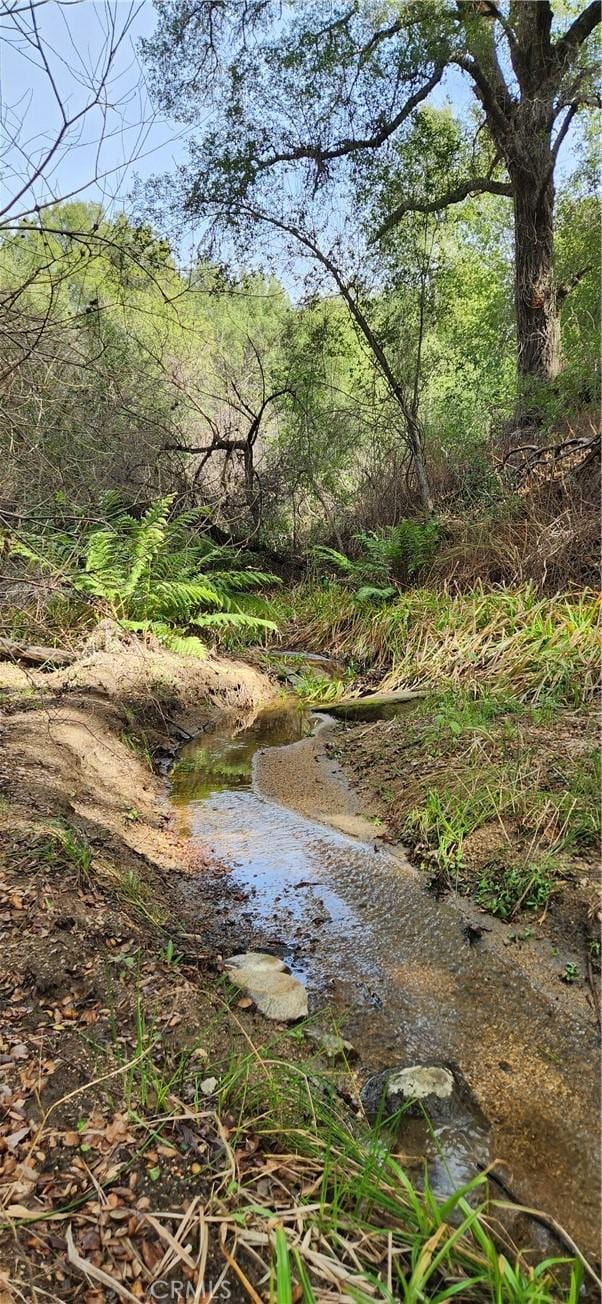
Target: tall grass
{"points": [[511, 640]]}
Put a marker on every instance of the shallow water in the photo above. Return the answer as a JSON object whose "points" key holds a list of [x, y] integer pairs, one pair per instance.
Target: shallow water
{"points": [[356, 924]]}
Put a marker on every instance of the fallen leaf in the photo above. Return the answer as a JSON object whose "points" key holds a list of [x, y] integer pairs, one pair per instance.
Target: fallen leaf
{"points": [[15, 1137]]}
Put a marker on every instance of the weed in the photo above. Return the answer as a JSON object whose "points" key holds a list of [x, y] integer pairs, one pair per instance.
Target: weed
{"points": [[63, 846], [169, 954], [316, 690], [455, 714], [358, 1194], [440, 825], [570, 973], [136, 741], [504, 889], [131, 889]]}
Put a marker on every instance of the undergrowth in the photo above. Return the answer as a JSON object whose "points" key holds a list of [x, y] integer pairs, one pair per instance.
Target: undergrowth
{"points": [[319, 1197], [508, 641], [160, 574], [493, 796], [383, 559]]}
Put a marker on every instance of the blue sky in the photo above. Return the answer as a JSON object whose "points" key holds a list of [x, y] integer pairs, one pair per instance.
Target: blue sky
{"points": [[137, 143], [136, 140]]}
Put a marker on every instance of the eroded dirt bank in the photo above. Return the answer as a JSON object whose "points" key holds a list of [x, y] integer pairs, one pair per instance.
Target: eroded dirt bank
{"points": [[109, 994]]}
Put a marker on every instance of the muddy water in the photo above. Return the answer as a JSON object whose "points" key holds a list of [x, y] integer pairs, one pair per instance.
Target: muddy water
{"points": [[354, 921]]}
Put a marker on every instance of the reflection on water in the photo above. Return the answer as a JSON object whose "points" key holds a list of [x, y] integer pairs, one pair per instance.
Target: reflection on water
{"points": [[222, 760]]}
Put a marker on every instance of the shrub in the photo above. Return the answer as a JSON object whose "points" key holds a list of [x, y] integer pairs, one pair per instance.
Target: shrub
{"points": [[388, 557], [155, 575]]}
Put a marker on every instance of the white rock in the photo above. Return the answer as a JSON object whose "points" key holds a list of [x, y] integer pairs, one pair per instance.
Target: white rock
{"points": [[275, 993], [208, 1086], [254, 960], [420, 1081], [284, 998]]}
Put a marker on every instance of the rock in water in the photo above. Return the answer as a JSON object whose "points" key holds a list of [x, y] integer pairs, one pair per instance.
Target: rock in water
{"points": [[439, 1121], [438, 1090], [283, 998], [276, 993], [252, 962]]}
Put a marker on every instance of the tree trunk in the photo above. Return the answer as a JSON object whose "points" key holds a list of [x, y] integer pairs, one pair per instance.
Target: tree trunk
{"points": [[536, 298], [415, 443]]}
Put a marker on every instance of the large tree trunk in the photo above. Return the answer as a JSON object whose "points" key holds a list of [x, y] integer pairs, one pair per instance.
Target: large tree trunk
{"points": [[536, 299]]}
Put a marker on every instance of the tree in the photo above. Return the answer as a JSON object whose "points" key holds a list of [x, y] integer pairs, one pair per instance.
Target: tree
{"points": [[310, 91]]}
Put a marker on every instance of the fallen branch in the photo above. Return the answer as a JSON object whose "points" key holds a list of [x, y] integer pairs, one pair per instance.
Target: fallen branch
{"points": [[37, 656]]}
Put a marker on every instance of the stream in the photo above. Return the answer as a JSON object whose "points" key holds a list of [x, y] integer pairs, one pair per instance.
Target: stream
{"points": [[352, 919]]}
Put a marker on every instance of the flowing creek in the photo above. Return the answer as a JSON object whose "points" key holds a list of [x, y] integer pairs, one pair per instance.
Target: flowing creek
{"points": [[352, 919]]}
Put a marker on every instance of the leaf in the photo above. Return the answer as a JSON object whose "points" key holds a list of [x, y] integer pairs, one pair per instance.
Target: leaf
{"points": [[97, 1274]]}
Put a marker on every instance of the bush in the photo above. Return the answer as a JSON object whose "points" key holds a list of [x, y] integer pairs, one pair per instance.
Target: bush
{"points": [[387, 558]]}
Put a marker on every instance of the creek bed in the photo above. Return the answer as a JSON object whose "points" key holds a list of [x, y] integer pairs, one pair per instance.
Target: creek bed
{"points": [[355, 923]]}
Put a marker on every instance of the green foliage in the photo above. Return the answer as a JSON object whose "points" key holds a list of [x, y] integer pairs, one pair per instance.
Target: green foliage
{"points": [[316, 690], [507, 642], [157, 574], [503, 889], [382, 1236], [401, 553]]}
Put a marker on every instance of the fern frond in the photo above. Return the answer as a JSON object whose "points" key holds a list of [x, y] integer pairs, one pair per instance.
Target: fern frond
{"points": [[336, 558], [171, 637], [371, 593], [177, 599]]}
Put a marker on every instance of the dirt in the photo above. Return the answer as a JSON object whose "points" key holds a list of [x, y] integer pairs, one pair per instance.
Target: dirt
{"points": [[94, 939], [397, 763]]}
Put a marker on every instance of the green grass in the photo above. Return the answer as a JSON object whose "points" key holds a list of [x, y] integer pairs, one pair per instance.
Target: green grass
{"points": [[525, 772], [62, 846], [316, 690], [505, 641]]}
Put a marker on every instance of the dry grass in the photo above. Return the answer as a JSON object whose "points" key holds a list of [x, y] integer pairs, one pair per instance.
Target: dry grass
{"points": [[507, 640], [302, 1201]]}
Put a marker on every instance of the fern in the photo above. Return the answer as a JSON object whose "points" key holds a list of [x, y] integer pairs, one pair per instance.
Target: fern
{"points": [[402, 553], [338, 559], [186, 644], [157, 575], [371, 593], [240, 618]]}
